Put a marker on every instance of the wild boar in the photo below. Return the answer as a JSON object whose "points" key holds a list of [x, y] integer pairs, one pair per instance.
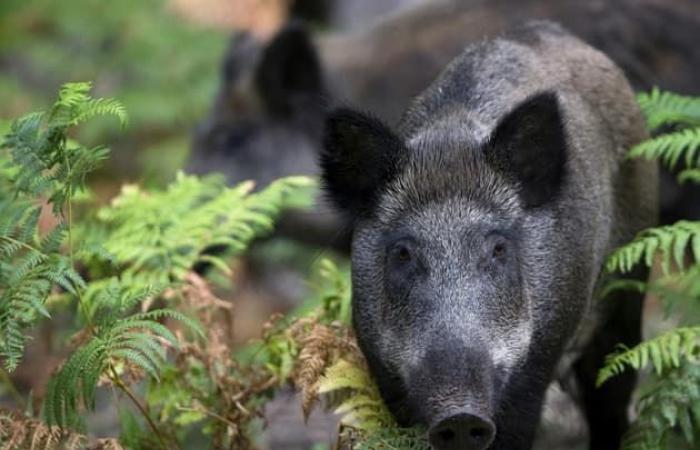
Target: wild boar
{"points": [[480, 226]]}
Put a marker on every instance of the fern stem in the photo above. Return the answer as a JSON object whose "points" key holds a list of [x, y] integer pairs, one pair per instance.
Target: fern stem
{"points": [[69, 220], [210, 414], [142, 409]]}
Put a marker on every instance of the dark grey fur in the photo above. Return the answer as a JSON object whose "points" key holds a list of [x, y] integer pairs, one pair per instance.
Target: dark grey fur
{"points": [[480, 227]]}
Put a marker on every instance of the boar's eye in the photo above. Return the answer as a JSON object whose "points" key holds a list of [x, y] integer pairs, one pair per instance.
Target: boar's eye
{"points": [[497, 247], [400, 253], [499, 250]]}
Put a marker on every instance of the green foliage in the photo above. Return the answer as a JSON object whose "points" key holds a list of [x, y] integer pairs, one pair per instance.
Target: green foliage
{"points": [[671, 403], [46, 162], [365, 417], [41, 163], [680, 114], [364, 408], [126, 269], [670, 148], [161, 235], [671, 242], [119, 336], [664, 352], [666, 108], [335, 293]]}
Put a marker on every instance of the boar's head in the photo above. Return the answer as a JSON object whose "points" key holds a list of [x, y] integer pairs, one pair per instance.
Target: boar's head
{"points": [[444, 257], [267, 117]]}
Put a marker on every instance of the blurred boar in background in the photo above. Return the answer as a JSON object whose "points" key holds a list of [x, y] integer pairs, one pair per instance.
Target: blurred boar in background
{"points": [[481, 223], [266, 119]]}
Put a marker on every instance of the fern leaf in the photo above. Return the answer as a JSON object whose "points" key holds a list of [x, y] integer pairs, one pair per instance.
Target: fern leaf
{"points": [[667, 108], [670, 148], [132, 339], [173, 229], [670, 241], [664, 352], [670, 403], [689, 175]]}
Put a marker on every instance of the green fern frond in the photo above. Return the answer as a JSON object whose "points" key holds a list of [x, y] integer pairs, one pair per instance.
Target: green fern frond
{"points": [[667, 108], [670, 148], [46, 165], [135, 339], [363, 412], [668, 407], [334, 292], [623, 284], [670, 241], [75, 106], [161, 235], [34, 267], [689, 175], [38, 165], [663, 352]]}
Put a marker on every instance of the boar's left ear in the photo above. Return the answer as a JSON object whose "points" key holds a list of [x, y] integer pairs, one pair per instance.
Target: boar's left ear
{"points": [[529, 144], [289, 77], [360, 156]]}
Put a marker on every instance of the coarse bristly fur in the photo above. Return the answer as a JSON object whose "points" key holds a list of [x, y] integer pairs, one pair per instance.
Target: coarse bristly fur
{"points": [[480, 227]]}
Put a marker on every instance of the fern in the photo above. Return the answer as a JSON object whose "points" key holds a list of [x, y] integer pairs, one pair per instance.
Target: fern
{"points": [[334, 293], [689, 175], [137, 340], [161, 235], [667, 108], [670, 148], [40, 163], [671, 242], [683, 115], [364, 417], [75, 106], [18, 431], [364, 408], [133, 254], [48, 164], [664, 352], [672, 403]]}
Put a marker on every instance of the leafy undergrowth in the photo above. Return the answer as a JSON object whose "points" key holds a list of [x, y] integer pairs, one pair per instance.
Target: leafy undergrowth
{"points": [[668, 406], [144, 323]]}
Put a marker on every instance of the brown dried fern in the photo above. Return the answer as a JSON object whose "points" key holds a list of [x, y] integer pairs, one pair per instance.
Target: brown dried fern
{"points": [[18, 432], [320, 347]]}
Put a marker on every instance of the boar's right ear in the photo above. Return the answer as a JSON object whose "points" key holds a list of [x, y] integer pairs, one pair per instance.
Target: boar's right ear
{"points": [[529, 144], [360, 156]]}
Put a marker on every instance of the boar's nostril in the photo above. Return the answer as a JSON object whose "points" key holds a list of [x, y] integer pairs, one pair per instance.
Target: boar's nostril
{"points": [[446, 435], [478, 433], [462, 431]]}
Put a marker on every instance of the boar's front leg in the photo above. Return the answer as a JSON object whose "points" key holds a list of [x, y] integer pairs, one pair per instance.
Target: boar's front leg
{"points": [[606, 407]]}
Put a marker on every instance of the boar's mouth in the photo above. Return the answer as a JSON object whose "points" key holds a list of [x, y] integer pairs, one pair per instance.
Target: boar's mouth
{"points": [[393, 390], [396, 397]]}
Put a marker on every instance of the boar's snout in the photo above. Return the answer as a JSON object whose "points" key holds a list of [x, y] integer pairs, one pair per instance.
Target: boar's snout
{"points": [[452, 391], [463, 431]]}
